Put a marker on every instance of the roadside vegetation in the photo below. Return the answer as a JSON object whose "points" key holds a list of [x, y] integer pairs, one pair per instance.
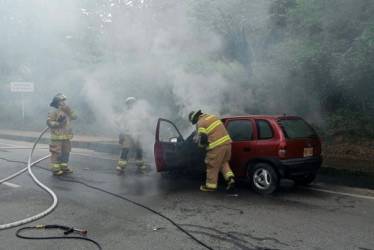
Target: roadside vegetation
{"points": [[312, 58], [348, 134]]}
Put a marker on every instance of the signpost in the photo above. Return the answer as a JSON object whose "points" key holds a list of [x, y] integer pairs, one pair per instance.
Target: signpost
{"points": [[22, 87]]}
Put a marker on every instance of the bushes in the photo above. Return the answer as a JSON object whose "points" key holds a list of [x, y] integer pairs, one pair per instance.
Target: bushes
{"points": [[349, 124]]}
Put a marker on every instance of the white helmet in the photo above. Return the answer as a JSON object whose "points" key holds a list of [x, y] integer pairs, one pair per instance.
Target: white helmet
{"points": [[130, 100], [56, 99]]}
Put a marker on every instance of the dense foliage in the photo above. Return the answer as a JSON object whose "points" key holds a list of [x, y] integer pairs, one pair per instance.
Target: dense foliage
{"points": [[312, 58]]}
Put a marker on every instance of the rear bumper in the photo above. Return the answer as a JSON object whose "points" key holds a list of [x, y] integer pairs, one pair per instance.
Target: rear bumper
{"points": [[300, 166]]}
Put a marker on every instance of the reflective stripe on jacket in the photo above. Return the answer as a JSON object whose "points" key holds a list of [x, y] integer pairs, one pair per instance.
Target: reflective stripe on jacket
{"points": [[61, 130], [212, 126]]}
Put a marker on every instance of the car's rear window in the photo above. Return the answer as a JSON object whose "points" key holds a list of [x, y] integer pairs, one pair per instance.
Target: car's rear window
{"points": [[296, 128]]}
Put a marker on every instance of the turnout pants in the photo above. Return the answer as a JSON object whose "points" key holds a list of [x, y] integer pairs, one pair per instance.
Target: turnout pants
{"points": [[60, 152], [217, 160], [127, 142]]}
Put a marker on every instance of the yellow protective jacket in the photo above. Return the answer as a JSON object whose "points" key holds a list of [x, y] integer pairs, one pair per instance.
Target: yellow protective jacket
{"points": [[132, 123], [212, 126], [61, 130]]}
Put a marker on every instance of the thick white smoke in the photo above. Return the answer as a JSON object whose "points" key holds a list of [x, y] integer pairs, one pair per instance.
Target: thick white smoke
{"points": [[194, 92]]}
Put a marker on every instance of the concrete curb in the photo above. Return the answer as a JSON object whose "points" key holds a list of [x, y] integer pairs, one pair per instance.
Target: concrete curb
{"points": [[115, 149], [105, 147], [329, 170]]}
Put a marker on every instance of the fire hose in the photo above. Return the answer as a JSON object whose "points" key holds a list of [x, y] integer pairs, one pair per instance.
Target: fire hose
{"points": [[29, 164], [68, 230]]}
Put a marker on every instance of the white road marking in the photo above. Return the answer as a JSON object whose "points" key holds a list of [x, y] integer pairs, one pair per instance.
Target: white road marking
{"points": [[334, 192], [22, 147], [17, 146], [10, 184], [109, 158], [314, 189], [14, 145], [96, 156]]}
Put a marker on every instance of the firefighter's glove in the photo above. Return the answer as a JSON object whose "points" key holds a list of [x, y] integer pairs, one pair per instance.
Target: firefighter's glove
{"points": [[61, 118], [66, 109], [203, 142]]}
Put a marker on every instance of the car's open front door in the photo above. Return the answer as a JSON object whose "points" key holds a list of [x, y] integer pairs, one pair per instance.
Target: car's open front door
{"points": [[168, 146]]}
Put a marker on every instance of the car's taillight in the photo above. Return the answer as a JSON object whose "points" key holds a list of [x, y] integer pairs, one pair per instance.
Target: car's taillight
{"points": [[319, 149], [282, 150]]}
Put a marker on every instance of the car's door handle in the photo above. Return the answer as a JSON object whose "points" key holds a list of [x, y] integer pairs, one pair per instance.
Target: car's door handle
{"points": [[247, 149]]}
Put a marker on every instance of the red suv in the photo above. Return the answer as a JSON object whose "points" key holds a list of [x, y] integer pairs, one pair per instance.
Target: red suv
{"points": [[264, 149]]}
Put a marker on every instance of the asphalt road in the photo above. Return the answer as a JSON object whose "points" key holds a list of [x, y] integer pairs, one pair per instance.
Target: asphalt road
{"points": [[146, 211]]}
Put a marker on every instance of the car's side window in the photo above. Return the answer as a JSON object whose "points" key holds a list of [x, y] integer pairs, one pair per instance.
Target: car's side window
{"points": [[240, 130], [264, 130], [167, 132]]}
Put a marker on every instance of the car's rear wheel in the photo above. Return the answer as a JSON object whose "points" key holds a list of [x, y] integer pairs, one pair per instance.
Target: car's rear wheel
{"points": [[263, 178], [305, 179]]}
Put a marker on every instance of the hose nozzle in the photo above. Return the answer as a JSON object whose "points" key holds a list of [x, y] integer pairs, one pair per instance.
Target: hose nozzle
{"points": [[71, 230], [68, 229]]}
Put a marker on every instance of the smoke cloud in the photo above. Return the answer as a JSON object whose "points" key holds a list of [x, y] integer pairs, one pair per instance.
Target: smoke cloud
{"points": [[175, 57]]}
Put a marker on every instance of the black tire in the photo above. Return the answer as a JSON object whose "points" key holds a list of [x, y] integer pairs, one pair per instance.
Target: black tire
{"points": [[263, 178], [171, 174], [305, 180]]}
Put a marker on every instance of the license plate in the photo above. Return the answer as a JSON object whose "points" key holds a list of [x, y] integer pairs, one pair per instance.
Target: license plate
{"points": [[308, 152]]}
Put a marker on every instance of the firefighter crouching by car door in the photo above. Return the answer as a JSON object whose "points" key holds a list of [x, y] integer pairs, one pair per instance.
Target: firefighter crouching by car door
{"points": [[213, 135], [131, 125], [61, 133]]}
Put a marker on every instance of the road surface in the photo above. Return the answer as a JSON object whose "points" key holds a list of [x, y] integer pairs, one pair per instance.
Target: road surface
{"points": [[147, 211]]}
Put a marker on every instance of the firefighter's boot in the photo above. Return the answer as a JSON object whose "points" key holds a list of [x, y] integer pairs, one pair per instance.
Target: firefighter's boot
{"points": [[57, 173], [65, 169], [121, 166], [55, 163], [141, 166], [56, 170], [204, 188], [230, 183], [122, 160]]}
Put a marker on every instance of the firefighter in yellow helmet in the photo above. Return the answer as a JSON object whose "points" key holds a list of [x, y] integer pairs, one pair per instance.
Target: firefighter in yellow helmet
{"points": [[131, 129], [61, 133], [213, 135]]}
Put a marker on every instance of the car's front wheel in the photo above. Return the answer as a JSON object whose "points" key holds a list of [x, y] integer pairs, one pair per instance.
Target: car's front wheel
{"points": [[171, 174], [263, 178]]}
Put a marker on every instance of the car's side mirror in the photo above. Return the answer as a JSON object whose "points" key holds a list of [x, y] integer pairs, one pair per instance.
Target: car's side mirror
{"points": [[174, 139]]}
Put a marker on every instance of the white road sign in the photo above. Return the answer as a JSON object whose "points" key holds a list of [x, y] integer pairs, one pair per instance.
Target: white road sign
{"points": [[22, 87]]}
